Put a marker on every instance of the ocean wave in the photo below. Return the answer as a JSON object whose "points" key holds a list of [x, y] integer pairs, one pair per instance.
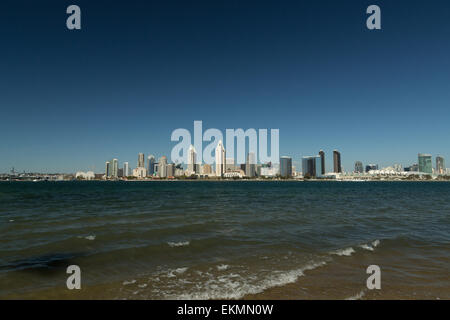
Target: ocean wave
{"points": [[90, 237], [222, 267], [366, 247], [344, 252], [178, 244], [372, 246], [236, 286], [174, 272], [129, 282]]}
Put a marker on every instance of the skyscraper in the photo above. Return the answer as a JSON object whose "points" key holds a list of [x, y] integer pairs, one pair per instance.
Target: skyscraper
{"points": [[126, 169], [322, 161], [312, 166], [371, 167], [359, 167], [220, 159], [141, 161], [162, 167], [115, 168], [250, 165], [192, 160], [440, 165], [151, 165], [107, 169], [286, 167], [425, 163], [337, 161], [170, 170]]}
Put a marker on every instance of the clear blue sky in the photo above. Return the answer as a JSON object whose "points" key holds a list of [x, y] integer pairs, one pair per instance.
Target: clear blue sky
{"points": [[70, 100]]}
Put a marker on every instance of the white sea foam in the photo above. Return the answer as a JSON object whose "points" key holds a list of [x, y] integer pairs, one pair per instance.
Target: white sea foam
{"points": [[357, 296], [344, 252], [222, 267], [366, 247], [92, 237], [370, 246], [11, 220], [236, 286], [129, 282], [174, 272], [178, 244]]}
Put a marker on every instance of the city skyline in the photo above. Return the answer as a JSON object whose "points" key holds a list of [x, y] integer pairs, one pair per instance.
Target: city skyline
{"points": [[332, 165], [311, 166]]}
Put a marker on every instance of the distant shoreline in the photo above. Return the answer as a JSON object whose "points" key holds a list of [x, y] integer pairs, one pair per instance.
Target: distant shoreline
{"points": [[234, 180]]}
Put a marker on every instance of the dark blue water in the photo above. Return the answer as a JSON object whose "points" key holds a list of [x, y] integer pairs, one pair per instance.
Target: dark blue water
{"points": [[168, 240]]}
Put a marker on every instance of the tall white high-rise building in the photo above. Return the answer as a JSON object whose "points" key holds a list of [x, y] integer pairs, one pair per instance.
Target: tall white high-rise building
{"points": [[220, 159], [162, 167], [192, 159], [126, 169], [115, 168]]}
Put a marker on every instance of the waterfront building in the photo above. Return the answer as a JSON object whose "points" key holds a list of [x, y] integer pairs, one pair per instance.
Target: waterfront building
{"points": [[120, 173], [322, 161], [286, 167], [440, 165], [337, 161], [268, 171], [250, 169], [162, 167], [141, 161], [312, 166], [425, 163], [258, 169], [140, 172], [171, 170], [126, 169], [230, 164], [108, 169], [234, 174], [359, 167], [151, 165], [115, 168], [179, 172], [206, 169], [220, 159], [371, 167], [85, 175], [412, 168], [192, 160]]}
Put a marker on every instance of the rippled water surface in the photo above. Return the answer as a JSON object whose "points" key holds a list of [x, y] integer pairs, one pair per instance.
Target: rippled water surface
{"points": [[171, 240]]}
